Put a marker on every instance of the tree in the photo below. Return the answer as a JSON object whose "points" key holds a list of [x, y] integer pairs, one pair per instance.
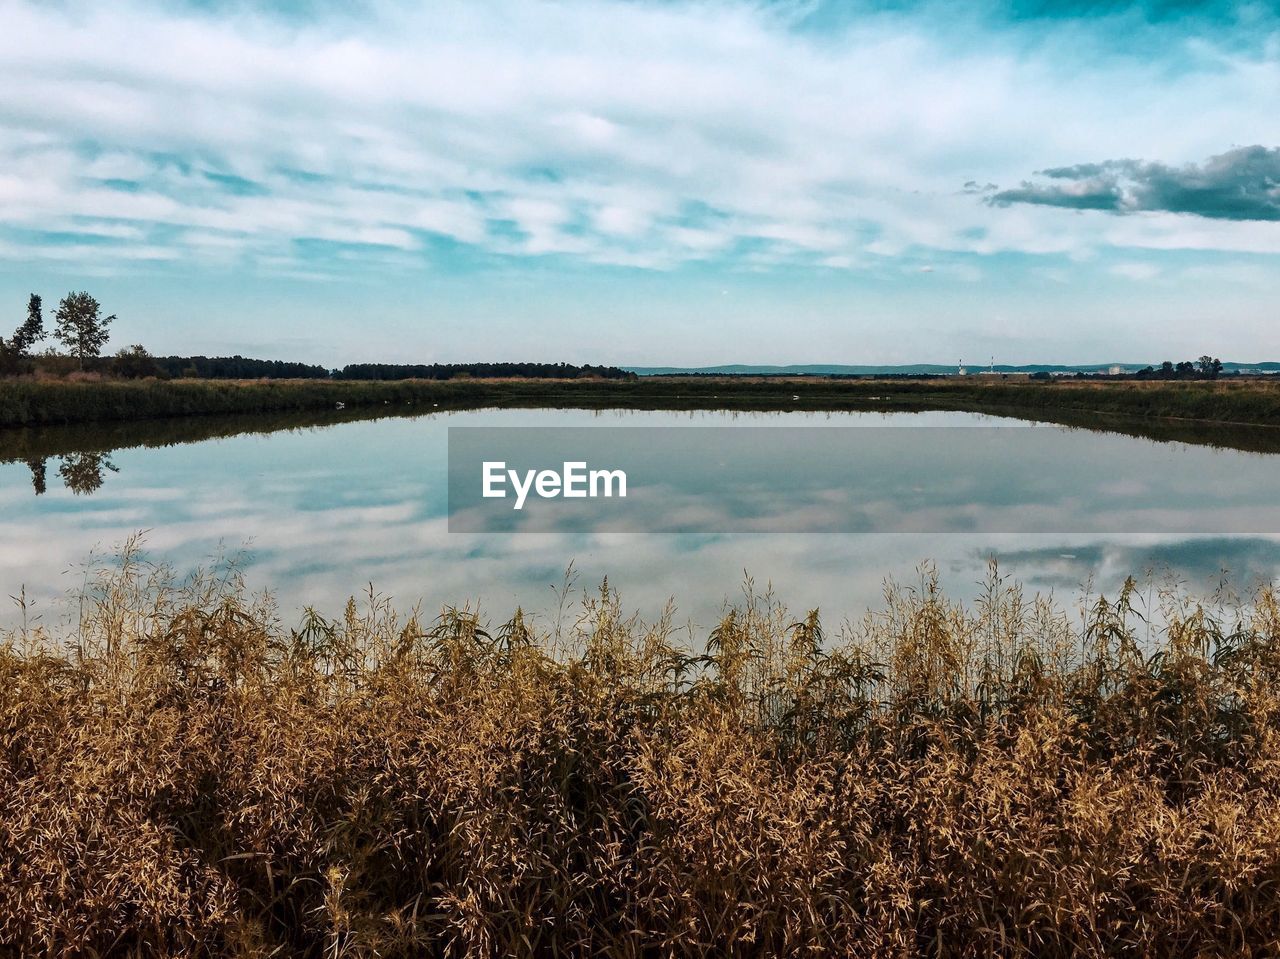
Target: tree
{"points": [[18, 346], [1210, 367], [32, 331], [81, 326], [135, 363]]}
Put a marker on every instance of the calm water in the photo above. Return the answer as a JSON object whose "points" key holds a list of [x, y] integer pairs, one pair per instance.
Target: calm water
{"points": [[320, 512]]}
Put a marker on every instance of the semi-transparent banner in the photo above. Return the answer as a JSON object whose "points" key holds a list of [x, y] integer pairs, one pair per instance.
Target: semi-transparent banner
{"points": [[841, 479]]}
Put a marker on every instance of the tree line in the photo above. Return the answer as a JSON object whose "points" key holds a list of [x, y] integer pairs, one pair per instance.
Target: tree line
{"points": [[448, 371], [245, 368], [1205, 368], [81, 327], [237, 368]]}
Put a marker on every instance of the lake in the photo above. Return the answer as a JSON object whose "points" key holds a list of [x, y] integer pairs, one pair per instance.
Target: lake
{"points": [[823, 506]]}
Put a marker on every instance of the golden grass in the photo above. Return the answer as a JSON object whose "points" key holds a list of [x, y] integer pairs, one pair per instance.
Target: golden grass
{"points": [[181, 774]]}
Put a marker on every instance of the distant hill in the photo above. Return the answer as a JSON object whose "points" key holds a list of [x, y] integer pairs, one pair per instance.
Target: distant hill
{"points": [[913, 369]]}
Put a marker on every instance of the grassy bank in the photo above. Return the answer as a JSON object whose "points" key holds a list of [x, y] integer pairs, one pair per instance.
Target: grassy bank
{"points": [[180, 774], [1245, 401], [32, 403], [25, 443]]}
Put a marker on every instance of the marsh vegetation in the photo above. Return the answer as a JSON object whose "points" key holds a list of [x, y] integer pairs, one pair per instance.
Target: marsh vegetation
{"points": [[185, 772], [1216, 405]]}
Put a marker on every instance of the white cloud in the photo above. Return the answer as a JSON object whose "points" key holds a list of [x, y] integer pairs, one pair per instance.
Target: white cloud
{"points": [[627, 133], [1136, 271]]}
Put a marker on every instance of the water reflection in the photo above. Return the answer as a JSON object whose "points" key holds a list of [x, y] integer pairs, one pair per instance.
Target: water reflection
{"points": [[82, 473], [35, 447], [38, 480], [329, 503], [831, 478]]}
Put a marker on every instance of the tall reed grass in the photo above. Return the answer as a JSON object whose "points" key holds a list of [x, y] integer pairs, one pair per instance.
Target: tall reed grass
{"points": [[182, 774]]}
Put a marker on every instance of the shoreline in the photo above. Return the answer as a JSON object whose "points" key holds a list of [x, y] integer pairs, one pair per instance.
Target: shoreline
{"points": [[1223, 404]]}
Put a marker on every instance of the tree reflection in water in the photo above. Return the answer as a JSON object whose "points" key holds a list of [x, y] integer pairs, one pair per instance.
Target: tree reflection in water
{"points": [[82, 473], [37, 474]]}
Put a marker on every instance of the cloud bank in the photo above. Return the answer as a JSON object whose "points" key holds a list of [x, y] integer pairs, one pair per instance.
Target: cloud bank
{"points": [[1242, 184], [652, 135]]}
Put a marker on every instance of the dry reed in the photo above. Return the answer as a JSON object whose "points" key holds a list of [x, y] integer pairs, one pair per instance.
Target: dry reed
{"points": [[183, 775]]}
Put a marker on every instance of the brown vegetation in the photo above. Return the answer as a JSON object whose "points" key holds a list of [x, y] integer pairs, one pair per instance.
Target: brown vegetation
{"points": [[180, 774]]}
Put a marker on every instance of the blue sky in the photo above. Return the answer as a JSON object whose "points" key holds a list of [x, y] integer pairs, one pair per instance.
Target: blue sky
{"points": [[650, 182]]}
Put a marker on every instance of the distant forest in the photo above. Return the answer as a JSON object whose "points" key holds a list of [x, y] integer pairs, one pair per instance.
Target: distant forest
{"points": [[237, 368], [245, 368], [449, 371], [83, 330]]}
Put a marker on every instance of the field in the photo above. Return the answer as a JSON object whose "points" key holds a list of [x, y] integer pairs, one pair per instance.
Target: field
{"points": [[183, 774], [1253, 401]]}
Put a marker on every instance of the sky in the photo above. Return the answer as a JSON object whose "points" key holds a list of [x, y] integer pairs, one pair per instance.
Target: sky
{"points": [[649, 182]]}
